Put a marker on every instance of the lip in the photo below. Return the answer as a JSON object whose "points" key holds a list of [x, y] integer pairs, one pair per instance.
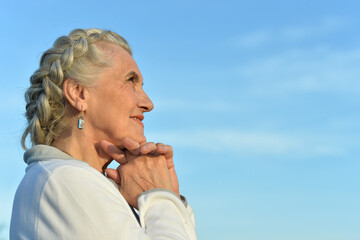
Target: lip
{"points": [[138, 119]]}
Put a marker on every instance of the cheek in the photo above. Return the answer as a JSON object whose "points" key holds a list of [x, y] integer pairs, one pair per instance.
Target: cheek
{"points": [[117, 99], [111, 110], [120, 107], [128, 98]]}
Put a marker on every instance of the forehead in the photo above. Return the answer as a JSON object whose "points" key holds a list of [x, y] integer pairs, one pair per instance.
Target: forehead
{"points": [[122, 63]]}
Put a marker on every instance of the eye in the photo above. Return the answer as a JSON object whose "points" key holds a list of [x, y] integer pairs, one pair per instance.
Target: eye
{"points": [[131, 79]]}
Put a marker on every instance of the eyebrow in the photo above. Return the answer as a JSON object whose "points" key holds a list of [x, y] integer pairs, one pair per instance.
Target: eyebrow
{"points": [[135, 75]]}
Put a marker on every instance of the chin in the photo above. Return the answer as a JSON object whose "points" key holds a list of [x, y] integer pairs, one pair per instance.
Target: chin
{"points": [[118, 137], [140, 139], [138, 136]]}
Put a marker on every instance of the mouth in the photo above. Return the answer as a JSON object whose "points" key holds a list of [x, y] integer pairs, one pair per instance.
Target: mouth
{"points": [[138, 119]]}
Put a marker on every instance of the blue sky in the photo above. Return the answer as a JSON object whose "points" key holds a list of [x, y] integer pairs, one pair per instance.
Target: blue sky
{"points": [[260, 100]]}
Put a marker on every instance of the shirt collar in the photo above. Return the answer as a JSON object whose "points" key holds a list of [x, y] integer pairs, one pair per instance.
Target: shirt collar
{"points": [[44, 152]]}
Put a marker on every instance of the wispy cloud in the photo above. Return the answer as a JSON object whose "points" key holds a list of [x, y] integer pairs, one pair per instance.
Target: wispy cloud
{"points": [[205, 105], [254, 143], [254, 39], [323, 27], [317, 69], [313, 30]]}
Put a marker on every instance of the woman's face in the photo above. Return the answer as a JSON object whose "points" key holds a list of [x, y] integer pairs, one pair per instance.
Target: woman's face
{"points": [[117, 102]]}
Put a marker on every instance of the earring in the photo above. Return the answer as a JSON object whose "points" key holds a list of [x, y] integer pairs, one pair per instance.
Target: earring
{"points": [[81, 121]]}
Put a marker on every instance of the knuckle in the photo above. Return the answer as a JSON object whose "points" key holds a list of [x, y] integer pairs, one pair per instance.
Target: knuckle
{"points": [[139, 160], [160, 160], [148, 144], [160, 145], [121, 170]]}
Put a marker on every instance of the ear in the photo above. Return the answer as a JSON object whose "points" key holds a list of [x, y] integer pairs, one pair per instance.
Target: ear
{"points": [[75, 94]]}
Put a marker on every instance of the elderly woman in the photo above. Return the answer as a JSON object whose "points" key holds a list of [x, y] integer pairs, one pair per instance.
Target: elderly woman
{"points": [[85, 108]]}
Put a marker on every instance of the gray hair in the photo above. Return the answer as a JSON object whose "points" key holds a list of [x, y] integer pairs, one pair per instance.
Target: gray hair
{"points": [[75, 56]]}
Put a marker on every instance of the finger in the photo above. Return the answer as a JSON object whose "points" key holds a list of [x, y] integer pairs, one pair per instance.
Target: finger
{"points": [[113, 151], [132, 146], [114, 175], [166, 150], [148, 148]]}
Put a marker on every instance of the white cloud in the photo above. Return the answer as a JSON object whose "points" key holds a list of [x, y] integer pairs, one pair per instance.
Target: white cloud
{"points": [[254, 39], [203, 105], [325, 26], [313, 67], [254, 143], [317, 69]]}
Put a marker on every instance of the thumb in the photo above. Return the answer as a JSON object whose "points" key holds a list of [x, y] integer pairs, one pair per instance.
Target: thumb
{"points": [[113, 175], [113, 151], [132, 146]]}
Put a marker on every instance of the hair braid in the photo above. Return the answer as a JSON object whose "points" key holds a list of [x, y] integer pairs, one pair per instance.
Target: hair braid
{"points": [[74, 56]]}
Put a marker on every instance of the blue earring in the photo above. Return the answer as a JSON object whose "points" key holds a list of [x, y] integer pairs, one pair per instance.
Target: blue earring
{"points": [[81, 121]]}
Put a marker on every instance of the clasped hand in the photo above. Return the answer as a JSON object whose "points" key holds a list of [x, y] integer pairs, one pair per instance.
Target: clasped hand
{"points": [[142, 167]]}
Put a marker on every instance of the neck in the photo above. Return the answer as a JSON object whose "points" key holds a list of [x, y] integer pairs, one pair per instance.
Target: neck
{"points": [[82, 145]]}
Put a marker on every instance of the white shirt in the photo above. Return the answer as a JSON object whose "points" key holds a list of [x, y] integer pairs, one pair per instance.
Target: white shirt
{"points": [[63, 198]]}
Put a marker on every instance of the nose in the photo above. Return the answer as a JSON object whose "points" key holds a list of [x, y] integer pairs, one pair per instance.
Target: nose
{"points": [[144, 101]]}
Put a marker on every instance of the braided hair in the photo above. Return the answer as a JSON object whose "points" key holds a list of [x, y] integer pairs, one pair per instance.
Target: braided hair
{"points": [[75, 56]]}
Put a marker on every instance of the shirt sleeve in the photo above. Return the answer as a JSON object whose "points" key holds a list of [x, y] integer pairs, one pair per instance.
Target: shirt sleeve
{"points": [[189, 210], [157, 205], [83, 204]]}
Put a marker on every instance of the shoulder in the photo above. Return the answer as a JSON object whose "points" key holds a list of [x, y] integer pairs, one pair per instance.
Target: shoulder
{"points": [[62, 171], [58, 180], [56, 192], [47, 164], [65, 176]]}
